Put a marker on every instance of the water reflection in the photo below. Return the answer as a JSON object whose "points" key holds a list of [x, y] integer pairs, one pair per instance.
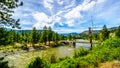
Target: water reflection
{"points": [[85, 45]]}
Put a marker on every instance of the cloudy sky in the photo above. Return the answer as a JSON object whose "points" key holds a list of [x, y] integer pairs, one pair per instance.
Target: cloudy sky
{"points": [[68, 15]]}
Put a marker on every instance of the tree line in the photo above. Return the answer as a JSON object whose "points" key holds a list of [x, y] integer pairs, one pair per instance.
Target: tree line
{"points": [[45, 36]]}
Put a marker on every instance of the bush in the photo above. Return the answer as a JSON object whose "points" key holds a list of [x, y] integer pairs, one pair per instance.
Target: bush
{"points": [[38, 63], [3, 64], [53, 59], [80, 52], [111, 43], [24, 46], [63, 58], [68, 63]]}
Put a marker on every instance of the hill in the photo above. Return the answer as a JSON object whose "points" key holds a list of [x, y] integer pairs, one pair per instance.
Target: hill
{"points": [[27, 31]]}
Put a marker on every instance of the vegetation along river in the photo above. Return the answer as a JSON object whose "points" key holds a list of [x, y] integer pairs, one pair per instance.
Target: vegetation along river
{"points": [[20, 60]]}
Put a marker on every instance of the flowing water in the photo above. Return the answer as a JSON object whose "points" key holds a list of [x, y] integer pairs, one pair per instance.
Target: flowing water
{"points": [[20, 60]]}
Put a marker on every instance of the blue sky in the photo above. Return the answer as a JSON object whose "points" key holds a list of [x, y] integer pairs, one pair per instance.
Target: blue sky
{"points": [[68, 15]]}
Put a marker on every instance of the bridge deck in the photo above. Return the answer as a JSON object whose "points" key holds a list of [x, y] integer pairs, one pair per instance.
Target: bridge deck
{"points": [[78, 42]]}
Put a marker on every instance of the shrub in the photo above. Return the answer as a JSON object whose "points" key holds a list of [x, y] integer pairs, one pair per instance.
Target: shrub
{"points": [[50, 58], [63, 58], [68, 63], [53, 59], [80, 52], [24, 46], [3, 64], [38, 63], [111, 43]]}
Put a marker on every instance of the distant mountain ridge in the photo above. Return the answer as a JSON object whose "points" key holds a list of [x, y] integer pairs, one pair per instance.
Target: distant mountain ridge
{"points": [[27, 31], [97, 31], [72, 33]]}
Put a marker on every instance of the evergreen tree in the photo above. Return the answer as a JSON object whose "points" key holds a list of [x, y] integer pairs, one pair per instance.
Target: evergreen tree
{"points": [[73, 37], [49, 34], [22, 36], [95, 36], [117, 33], [104, 33], [70, 37], [62, 37], [55, 37], [3, 36], [17, 37], [6, 11], [34, 35], [25, 36], [29, 38], [12, 36], [44, 35]]}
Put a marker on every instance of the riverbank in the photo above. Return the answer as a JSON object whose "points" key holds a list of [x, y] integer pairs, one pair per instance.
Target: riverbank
{"points": [[30, 48], [18, 48]]}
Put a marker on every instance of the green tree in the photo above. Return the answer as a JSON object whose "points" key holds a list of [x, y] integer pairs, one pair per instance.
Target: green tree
{"points": [[3, 36], [70, 37], [6, 10], [12, 36], [17, 37], [73, 37], [49, 35], [22, 36], [34, 36], [62, 37], [104, 34], [117, 33], [44, 35], [55, 37], [95, 36]]}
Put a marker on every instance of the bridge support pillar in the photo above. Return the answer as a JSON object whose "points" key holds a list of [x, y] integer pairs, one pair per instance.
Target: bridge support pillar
{"points": [[74, 45]]}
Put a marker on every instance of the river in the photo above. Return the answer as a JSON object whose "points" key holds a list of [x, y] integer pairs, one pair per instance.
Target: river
{"points": [[20, 60]]}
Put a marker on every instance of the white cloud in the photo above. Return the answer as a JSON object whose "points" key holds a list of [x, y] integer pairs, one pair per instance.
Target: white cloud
{"points": [[100, 1], [75, 12], [57, 18], [70, 23], [42, 20], [70, 4], [66, 12], [25, 22], [60, 2], [48, 4], [86, 6]]}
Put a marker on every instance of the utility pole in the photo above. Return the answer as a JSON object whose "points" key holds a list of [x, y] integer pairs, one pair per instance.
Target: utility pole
{"points": [[90, 37]]}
